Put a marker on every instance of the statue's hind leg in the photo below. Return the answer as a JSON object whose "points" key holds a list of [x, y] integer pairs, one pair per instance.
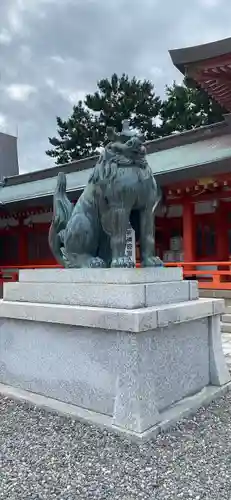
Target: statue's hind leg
{"points": [[147, 240], [82, 260], [80, 243]]}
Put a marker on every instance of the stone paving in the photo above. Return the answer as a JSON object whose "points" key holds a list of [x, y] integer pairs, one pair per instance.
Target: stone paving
{"points": [[49, 457], [45, 457]]}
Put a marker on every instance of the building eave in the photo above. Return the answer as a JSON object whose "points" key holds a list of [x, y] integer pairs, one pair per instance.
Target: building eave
{"points": [[209, 66], [41, 192], [181, 58], [37, 187], [161, 144]]}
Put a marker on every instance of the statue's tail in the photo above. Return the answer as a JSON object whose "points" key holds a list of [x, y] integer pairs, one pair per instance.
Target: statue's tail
{"points": [[62, 210], [159, 196]]}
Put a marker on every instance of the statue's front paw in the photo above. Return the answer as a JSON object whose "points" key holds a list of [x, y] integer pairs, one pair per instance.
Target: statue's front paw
{"points": [[97, 262], [122, 262], [152, 262]]}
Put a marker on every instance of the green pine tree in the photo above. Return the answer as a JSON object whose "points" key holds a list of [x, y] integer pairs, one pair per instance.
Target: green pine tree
{"points": [[186, 107], [115, 100], [79, 136], [122, 98]]}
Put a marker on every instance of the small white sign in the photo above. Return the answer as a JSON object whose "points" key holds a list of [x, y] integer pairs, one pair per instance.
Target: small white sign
{"points": [[130, 249]]}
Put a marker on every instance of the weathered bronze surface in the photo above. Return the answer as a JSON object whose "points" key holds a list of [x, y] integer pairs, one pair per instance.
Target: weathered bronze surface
{"points": [[120, 189]]}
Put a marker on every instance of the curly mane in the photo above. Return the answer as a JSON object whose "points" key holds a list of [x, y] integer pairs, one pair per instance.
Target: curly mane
{"points": [[106, 167]]}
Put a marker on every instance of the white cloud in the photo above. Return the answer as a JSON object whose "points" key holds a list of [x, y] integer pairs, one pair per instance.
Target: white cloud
{"points": [[3, 122], [72, 96], [157, 121], [5, 37], [210, 3], [50, 83], [58, 59], [15, 19], [61, 48], [25, 54], [156, 71], [17, 10], [20, 91]]}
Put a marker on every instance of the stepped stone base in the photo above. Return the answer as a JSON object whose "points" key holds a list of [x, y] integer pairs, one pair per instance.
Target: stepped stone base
{"points": [[127, 289], [121, 348], [226, 327]]}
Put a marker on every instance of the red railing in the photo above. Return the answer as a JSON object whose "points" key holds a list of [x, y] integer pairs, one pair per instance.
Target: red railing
{"points": [[219, 277], [211, 275]]}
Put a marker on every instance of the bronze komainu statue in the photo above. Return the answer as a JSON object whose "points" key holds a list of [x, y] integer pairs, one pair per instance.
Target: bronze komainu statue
{"points": [[120, 189]]}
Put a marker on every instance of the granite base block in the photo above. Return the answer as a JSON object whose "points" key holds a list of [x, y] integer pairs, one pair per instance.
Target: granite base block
{"points": [[126, 296], [130, 379], [102, 276], [121, 348], [109, 288], [129, 320]]}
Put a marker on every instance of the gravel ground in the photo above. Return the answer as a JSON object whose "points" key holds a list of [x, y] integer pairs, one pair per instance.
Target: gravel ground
{"points": [[45, 456]]}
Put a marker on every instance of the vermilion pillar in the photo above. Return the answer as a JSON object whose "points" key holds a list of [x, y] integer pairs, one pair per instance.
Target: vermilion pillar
{"points": [[22, 250], [221, 228], [188, 231]]}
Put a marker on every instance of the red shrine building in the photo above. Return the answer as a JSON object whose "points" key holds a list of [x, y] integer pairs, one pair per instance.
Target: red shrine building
{"points": [[193, 226]]}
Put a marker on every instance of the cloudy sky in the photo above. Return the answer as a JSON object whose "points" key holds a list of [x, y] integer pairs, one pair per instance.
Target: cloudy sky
{"points": [[52, 52]]}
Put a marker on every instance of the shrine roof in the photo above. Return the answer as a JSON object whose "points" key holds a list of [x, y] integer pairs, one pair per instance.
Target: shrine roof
{"points": [[209, 65], [190, 156], [178, 157], [188, 55]]}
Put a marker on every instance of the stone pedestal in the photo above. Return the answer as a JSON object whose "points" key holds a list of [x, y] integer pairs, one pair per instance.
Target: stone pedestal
{"points": [[130, 349]]}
